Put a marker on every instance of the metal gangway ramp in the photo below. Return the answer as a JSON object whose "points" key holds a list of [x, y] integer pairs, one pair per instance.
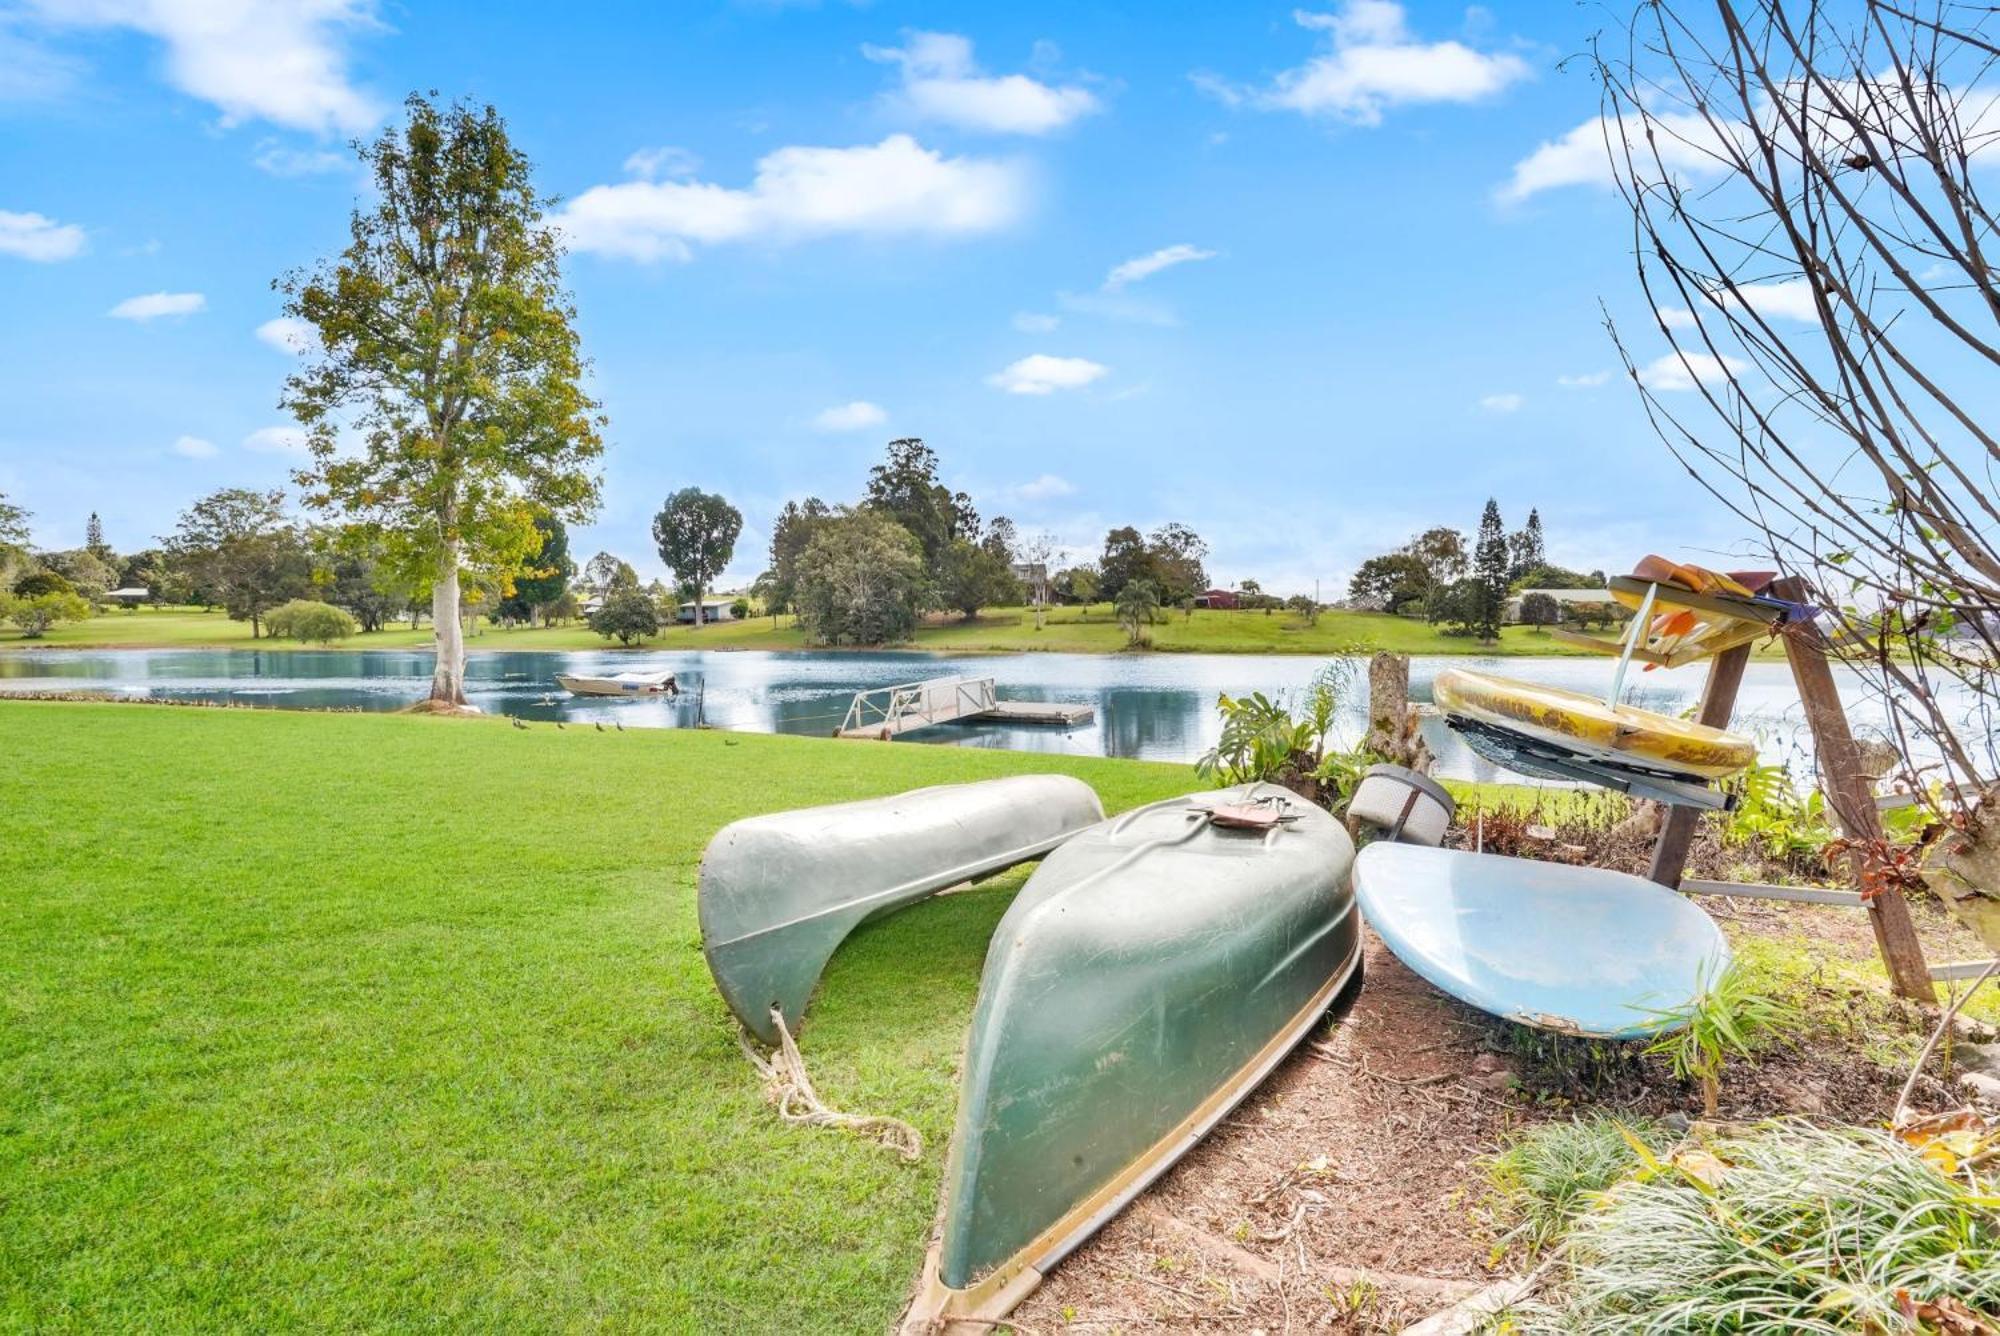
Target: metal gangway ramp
{"points": [[887, 711]]}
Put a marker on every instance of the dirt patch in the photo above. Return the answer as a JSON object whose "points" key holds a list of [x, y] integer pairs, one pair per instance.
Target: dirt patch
{"points": [[1345, 1195], [1356, 1155]]}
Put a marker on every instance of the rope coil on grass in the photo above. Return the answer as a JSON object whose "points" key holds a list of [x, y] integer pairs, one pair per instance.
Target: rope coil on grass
{"points": [[789, 1088]]}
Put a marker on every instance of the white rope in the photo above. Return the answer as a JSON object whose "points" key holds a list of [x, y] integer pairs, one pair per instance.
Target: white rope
{"points": [[790, 1089]]}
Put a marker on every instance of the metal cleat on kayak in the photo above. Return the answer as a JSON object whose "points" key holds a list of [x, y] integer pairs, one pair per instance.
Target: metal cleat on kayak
{"points": [[1150, 974], [779, 893]]}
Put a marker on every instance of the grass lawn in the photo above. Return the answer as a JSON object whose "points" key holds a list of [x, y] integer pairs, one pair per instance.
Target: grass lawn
{"points": [[1072, 630], [372, 1022]]}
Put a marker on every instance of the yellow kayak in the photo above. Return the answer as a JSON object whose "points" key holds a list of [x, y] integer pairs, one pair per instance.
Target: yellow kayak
{"points": [[1585, 724]]}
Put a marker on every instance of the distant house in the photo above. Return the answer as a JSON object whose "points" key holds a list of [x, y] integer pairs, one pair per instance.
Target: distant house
{"points": [[1596, 599], [712, 610], [1218, 598], [131, 596], [1033, 575]]}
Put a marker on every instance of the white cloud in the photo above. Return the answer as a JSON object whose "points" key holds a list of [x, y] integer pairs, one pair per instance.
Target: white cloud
{"points": [[29, 71], [1672, 372], [941, 82], [1509, 402], [194, 447], [1119, 306], [33, 236], [1045, 488], [153, 305], [276, 441], [1686, 144], [281, 62], [650, 164], [280, 160], [1588, 380], [1036, 322], [288, 334], [1373, 62], [1145, 266], [856, 416], [1043, 374], [1788, 299], [896, 187]]}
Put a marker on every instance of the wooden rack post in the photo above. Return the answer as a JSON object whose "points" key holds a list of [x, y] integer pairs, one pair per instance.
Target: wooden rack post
{"points": [[1848, 789], [1850, 793], [1718, 702]]}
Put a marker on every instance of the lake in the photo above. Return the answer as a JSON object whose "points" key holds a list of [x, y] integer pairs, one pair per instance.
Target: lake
{"points": [[1153, 706]]}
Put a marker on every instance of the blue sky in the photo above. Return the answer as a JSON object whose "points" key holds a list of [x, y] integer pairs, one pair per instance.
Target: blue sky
{"points": [[1307, 280]]}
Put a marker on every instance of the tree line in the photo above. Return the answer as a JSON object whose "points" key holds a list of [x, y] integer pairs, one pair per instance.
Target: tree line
{"points": [[1464, 585]]}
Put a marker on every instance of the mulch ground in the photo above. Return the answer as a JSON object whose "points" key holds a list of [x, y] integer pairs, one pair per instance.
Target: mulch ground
{"points": [[1345, 1195]]}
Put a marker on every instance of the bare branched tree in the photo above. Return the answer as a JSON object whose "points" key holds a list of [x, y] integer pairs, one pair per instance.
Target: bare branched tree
{"points": [[1805, 181]]}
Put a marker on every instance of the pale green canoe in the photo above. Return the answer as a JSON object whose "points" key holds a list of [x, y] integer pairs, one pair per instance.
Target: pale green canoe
{"points": [[779, 893], [1150, 974]]}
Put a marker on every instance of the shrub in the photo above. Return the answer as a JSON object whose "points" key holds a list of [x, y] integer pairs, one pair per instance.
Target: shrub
{"points": [[740, 609], [40, 581], [628, 614], [35, 614], [1727, 1018], [1539, 610], [1790, 1228], [308, 620], [1549, 1174]]}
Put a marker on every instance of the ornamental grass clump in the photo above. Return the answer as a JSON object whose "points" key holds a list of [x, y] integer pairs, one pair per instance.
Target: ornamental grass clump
{"points": [[1549, 1174], [1787, 1229]]}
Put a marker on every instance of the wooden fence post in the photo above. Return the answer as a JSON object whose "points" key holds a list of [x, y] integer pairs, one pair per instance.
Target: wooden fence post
{"points": [[1850, 794], [1718, 702]]}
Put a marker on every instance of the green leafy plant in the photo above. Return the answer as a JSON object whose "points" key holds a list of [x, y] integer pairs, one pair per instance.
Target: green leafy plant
{"points": [[1728, 1018], [308, 620], [1548, 1174], [1788, 1229], [1771, 812], [1263, 739]]}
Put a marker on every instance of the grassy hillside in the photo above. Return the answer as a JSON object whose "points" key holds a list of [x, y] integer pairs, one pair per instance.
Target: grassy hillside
{"points": [[1072, 630], [365, 1022]]}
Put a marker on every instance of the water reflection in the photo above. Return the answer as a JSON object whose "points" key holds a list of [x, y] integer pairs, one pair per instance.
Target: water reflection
{"points": [[1159, 706]]}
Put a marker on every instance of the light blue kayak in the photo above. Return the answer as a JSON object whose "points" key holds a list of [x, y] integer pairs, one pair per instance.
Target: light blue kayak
{"points": [[1578, 950]]}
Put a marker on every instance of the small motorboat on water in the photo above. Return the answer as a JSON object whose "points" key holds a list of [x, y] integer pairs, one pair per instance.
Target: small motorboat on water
{"points": [[1150, 974], [779, 893], [623, 684]]}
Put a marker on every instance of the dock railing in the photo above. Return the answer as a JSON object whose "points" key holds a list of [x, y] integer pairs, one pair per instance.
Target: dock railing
{"points": [[911, 705]]}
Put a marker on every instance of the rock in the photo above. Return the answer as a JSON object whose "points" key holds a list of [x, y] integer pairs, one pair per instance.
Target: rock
{"points": [[1978, 1057], [1981, 1085], [1489, 1062], [1676, 1123], [1972, 1031]]}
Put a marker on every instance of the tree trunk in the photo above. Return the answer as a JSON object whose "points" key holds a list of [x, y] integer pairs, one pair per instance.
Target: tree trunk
{"points": [[448, 678], [698, 609]]}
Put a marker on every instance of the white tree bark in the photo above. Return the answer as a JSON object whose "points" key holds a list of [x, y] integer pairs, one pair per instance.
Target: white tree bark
{"points": [[448, 678]]}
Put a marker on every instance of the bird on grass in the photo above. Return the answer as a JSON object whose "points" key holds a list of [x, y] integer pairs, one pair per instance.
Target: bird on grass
{"points": [[618, 725], [600, 726], [559, 725], [517, 723]]}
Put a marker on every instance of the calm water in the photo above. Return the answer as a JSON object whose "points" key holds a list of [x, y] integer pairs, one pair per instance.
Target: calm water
{"points": [[1159, 706]]}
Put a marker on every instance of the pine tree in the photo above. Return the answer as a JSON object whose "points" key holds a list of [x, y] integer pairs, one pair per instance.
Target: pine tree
{"points": [[1525, 548], [93, 538], [1489, 571]]}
